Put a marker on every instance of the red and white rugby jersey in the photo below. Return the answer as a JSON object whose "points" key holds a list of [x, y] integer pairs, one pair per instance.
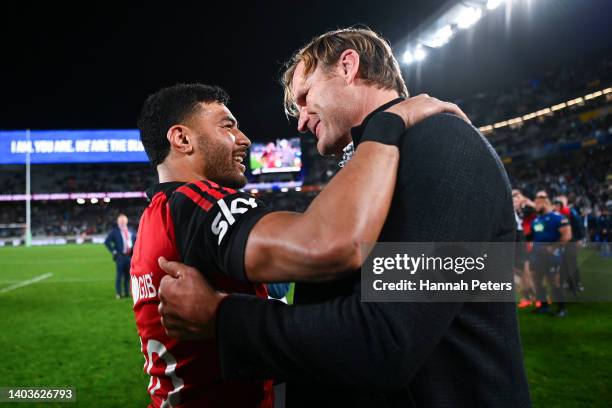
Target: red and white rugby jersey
{"points": [[206, 226]]}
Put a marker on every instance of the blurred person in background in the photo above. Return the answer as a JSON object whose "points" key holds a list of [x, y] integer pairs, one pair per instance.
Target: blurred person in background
{"points": [[522, 270], [569, 272], [551, 231], [120, 241], [603, 225]]}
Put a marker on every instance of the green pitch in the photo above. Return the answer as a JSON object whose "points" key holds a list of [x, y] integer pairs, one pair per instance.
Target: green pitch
{"points": [[69, 330]]}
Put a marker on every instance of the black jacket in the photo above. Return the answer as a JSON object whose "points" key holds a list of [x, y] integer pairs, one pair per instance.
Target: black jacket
{"points": [[333, 350]]}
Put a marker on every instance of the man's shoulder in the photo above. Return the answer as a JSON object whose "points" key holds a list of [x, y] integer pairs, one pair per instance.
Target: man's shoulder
{"points": [[447, 167], [203, 193], [112, 233], [444, 135], [444, 139], [561, 219], [445, 124]]}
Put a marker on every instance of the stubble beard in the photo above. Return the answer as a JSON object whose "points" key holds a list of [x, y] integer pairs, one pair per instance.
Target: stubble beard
{"points": [[220, 168]]}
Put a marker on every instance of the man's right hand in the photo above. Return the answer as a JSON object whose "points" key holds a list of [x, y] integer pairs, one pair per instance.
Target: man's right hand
{"points": [[415, 109]]}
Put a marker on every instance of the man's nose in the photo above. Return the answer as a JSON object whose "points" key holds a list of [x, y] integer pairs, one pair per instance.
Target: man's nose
{"points": [[242, 139], [303, 120]]}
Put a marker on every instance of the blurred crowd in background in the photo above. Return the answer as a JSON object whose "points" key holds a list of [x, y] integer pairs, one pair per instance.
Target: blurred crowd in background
{"points": [[567, 152], [549, 88], [72, 178]]}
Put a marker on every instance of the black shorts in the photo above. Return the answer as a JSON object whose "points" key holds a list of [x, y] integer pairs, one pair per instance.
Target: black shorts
{"points": [[520, 252], [520, 255], [543, 263]]}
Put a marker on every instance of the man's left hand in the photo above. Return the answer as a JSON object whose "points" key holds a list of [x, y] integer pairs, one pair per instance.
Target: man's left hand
{"points": [[188, 304], [415, 109]]}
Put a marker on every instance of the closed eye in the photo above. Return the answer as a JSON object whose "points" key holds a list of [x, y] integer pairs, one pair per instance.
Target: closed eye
{"points": [[301, 99], [229, 123]]}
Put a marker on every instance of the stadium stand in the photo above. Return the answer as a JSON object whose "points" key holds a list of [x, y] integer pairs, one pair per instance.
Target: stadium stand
{"points": [[66, 218], [549, 88], [565, 151], [62, 178]]}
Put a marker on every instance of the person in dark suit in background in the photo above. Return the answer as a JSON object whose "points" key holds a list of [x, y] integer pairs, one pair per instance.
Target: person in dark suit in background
{"points": [[120, 242]]}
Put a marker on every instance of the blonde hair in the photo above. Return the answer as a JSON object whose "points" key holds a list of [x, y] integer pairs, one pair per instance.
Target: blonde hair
{"points": [[377, 65]]}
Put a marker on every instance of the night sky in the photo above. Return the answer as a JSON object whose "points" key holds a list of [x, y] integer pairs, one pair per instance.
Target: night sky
{"points": [[92, 67]]}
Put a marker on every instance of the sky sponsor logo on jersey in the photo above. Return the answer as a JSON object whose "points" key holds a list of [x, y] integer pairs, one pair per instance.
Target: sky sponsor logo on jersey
{"points": [[226, 218]]}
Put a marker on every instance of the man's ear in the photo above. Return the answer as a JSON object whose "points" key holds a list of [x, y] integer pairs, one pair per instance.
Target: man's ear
{"points": [[180, 140], [349, 65]]}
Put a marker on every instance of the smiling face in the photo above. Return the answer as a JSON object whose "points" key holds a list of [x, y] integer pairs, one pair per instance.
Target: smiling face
{"points": [[220, 148], [326, 107]]}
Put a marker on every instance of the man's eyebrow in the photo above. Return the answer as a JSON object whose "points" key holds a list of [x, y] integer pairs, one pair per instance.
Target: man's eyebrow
{"points": [[231, 119]]}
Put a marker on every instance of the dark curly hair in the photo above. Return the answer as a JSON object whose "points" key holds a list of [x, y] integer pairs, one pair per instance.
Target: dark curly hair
{"points": [[168, 107]]}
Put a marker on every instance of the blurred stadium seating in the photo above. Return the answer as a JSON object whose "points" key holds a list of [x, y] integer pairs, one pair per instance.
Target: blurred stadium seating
{"points": [[566, 151], [546, 89]]}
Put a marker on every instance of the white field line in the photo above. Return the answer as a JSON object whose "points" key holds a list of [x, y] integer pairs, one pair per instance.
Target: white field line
{"points": [[64, 280], [48, 261], [78, 280], [26, 282]]}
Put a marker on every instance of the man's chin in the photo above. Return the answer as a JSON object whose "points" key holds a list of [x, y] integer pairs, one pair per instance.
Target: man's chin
{"points": [[331, 150], [235, 182], [238, 182]]}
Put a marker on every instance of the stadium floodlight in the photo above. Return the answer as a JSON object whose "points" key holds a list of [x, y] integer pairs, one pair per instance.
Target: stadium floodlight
{"points": [[593, 95], [407, 58], [493, 4], [254, 191], [107, 199], [94, 200], [558, 106], [298, 188], [442, 36], [468, 17], [80, 200], [575, 101], [419, 54], [546, 111], [529, 116], [284, 189]]}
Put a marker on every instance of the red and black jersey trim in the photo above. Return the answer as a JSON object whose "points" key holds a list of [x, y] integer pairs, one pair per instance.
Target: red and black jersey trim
{"points": [[204, 193], [216, 186], [167, 188]]}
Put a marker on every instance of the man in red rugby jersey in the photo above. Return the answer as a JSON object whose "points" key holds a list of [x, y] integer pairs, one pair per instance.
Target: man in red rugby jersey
{"points": [[197, 216]]}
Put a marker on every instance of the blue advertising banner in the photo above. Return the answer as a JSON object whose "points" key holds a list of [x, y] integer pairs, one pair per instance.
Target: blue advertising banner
{"points": [[71, 146]]}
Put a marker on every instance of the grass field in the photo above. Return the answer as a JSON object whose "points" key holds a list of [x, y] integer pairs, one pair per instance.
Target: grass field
{"points": [[69, 330]]}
